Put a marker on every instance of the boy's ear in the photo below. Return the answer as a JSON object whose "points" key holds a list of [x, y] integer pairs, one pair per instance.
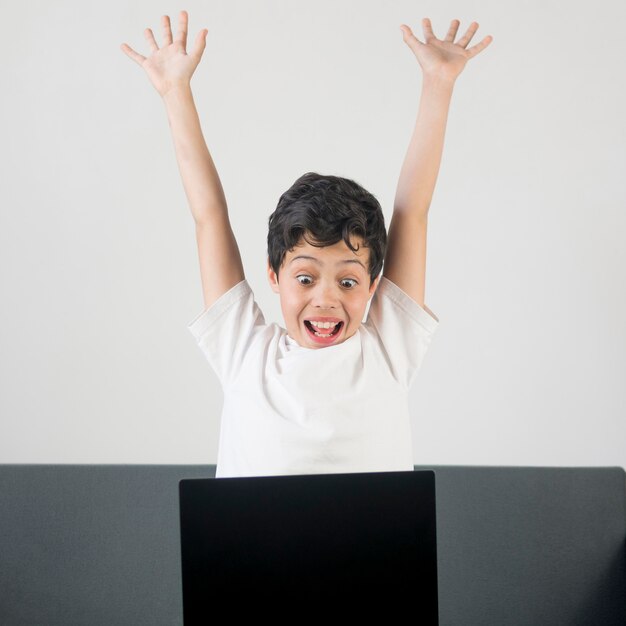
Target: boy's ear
{"points": [[374, 285], [272, 278]]}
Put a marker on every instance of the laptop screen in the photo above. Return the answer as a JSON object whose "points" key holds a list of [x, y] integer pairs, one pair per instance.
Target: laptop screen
{"points": [[317, 541]]}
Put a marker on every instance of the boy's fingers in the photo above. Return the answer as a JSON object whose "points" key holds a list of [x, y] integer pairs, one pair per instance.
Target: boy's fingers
{"points": [[454, 26], [181, 36], [409, 37], [167, 30], [471, 31], [150, 39], [135, 56], [428, 30], [474, 50], [200, 44]]}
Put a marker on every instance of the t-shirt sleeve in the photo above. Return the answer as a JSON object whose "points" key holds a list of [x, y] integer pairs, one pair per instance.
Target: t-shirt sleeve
{"points": [[225, 330], [402, 328]]}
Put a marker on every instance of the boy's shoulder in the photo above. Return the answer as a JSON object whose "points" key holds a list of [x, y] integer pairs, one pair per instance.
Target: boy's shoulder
{"points": [[388, 296], [399, 330]]}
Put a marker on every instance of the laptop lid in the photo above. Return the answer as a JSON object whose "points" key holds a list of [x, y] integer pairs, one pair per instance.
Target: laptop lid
{"points": [[354, 541]]}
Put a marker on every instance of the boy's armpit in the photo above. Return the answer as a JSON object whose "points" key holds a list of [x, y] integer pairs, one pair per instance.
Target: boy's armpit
{"points": [[430, 313]]}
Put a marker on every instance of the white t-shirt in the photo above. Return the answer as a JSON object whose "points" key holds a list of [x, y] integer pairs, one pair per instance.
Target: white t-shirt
{"points": [[294, 410]]}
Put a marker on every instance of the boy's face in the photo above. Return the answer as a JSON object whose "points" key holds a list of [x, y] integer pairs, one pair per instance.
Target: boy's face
{"points": [[323, 286]]}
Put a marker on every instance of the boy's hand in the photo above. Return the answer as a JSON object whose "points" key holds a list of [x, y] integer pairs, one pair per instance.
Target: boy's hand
{"points": [[170, 66], [444, 58]]}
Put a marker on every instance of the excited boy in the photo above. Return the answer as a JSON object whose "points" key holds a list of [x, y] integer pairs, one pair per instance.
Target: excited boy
{"points": [[328, 394]]}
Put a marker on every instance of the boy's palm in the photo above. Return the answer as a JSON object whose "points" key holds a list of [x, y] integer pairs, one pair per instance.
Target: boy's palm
{"points": [[170, 65], [443, 57]]}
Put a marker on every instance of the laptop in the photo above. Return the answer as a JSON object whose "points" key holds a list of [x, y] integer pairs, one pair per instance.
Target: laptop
{"points": [[313, 546]]}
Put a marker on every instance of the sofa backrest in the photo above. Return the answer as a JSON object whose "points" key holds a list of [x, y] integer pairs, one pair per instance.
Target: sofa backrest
{"points": [[531, 546], [99, 545]]}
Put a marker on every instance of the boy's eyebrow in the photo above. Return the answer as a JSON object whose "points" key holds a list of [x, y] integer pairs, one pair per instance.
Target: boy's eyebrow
{"points": [[311, 258]]}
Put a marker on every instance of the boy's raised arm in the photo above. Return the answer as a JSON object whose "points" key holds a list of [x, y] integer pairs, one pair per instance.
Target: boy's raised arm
{"points": [[441, 61], [170, 69], [220, 261]]}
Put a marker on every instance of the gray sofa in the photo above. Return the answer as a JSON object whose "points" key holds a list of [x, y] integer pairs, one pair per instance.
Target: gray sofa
{"points": [[99, 544]]}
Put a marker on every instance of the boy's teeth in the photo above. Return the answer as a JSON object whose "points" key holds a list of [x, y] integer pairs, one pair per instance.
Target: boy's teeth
{"points": [[325, 328], [325, 324]]}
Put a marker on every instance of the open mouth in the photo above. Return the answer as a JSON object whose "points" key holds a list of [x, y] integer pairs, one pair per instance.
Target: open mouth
{"points": [[322, 337]]}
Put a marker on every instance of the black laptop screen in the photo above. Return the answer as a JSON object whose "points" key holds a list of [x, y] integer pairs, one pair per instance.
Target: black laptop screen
{"points": [[360, 540]]}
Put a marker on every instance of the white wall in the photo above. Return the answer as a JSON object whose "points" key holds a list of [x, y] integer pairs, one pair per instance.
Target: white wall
{"points": [[526, 264]]}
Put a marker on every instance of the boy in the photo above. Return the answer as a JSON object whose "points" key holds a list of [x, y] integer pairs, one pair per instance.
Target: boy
{"points": [[328, 394]]}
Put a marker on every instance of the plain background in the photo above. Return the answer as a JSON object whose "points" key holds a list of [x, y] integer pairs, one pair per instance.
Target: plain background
{"points": [[526, 265]]}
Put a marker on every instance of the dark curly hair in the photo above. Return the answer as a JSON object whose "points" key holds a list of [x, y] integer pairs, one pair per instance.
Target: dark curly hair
{"points": [[328, 208]]}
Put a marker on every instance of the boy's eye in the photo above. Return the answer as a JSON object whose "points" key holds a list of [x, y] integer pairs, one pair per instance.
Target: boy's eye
{"points": [[344, 281]]}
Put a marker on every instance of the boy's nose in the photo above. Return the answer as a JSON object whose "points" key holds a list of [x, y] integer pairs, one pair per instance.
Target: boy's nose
{"points": [[326, 297]]}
